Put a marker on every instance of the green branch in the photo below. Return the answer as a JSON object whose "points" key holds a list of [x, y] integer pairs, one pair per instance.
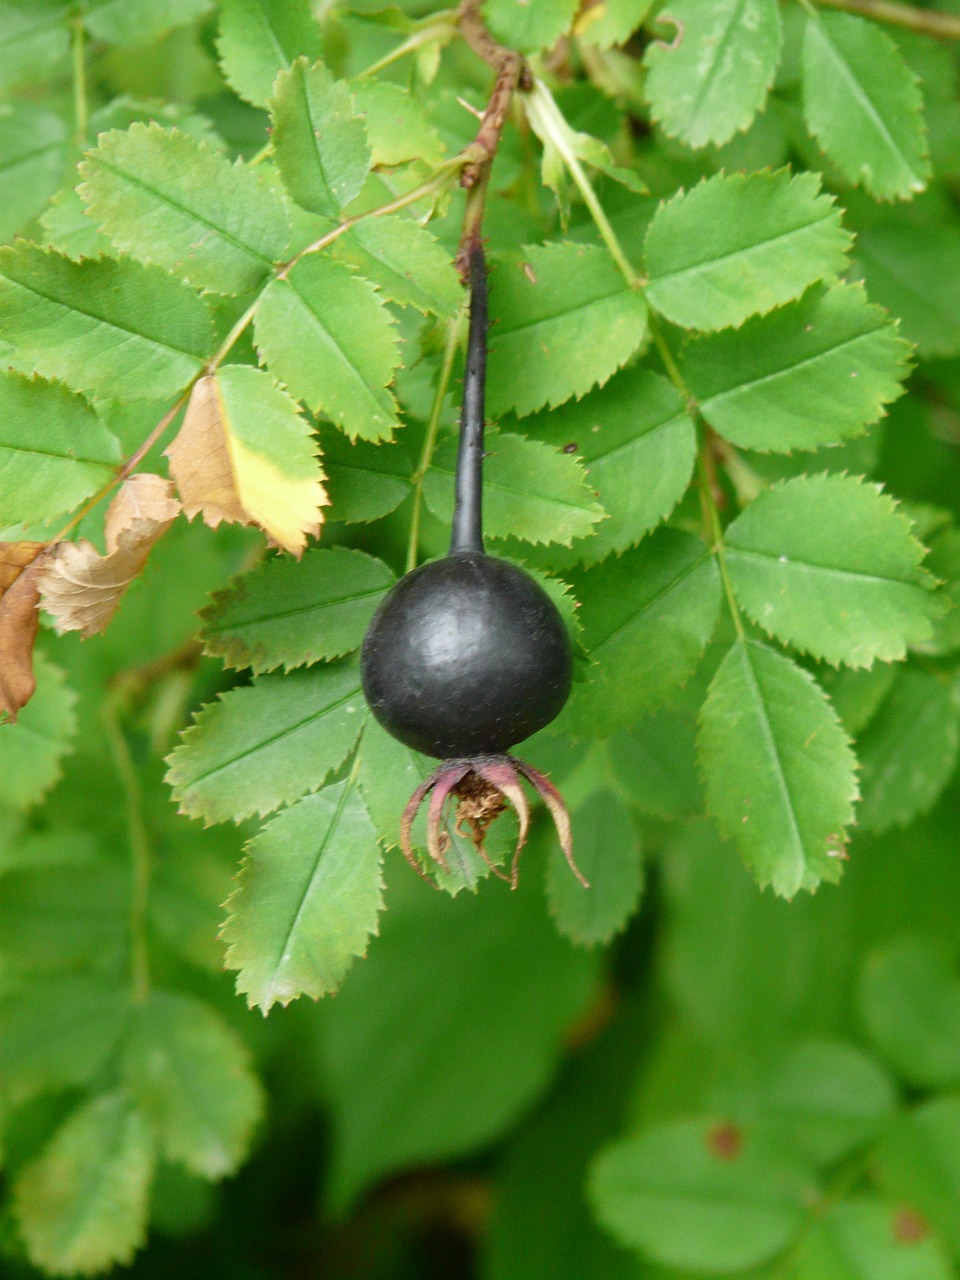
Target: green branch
{"points": [[926, 22]]}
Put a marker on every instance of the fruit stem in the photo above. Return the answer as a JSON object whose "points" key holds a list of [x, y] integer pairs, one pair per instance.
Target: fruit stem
{"points": [[467, 528]]}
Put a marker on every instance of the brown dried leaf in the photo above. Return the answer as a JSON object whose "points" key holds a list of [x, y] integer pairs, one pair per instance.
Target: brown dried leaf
{"points": [[82, 589], [20, 565], [246, 455]]}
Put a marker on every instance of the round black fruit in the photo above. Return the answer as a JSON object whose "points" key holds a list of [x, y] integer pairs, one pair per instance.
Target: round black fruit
{"points": [[466, 656]]}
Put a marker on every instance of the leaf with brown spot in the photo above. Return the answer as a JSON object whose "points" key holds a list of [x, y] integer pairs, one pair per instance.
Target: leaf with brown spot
{"points": [[82, 589], [20, 565], [246, 454]]}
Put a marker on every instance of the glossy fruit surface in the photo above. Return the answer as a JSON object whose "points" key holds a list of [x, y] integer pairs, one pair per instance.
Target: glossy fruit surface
{"points": [[466, 656]]}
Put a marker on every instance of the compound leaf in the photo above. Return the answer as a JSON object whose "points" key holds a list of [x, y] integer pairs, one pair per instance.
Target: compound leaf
{"points": [[709, 84], [811, 373], [268, 744], [869, 1237], [738, 245], [863, 105], [779, 773], [107, 327], [647, 617], [365, 481], [169, 200], [547, 306], [190, 1074], [260, 38], [826, 563], [287, 614], [325, 333], [308, 899], [319, 142]]}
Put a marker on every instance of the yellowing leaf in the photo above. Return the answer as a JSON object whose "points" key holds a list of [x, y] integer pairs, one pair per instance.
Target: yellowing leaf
{"points": [[81, 588], [20, 564], [245, 454]]}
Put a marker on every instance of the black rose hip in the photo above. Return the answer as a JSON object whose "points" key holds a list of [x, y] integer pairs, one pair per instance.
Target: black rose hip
{"points": [[468, 655]]}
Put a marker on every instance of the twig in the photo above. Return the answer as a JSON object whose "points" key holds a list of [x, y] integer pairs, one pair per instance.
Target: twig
{"points": [[927, 22], [512, 73]]}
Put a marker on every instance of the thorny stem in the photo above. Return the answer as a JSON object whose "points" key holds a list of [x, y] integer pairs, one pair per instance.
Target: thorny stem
{"points": [[927, 22], [139, 849], [552, 120], [430, 439], [512, 73], [79, 57]]}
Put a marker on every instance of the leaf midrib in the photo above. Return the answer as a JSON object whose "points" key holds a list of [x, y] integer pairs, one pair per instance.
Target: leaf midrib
{"points": [[811, 566], [314, 607], [654, 599], [658, 277]]}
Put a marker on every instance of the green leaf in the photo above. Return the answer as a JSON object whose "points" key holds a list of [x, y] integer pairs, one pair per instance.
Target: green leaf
{"points": [[904, 266], [908, 753], [389, 773], [81, 1207], [319, 142], [266, 745], [59, 1032], [611, 22], [866, 1239], [607, 850], [944, 563], [827, 564], [812, 373], [326, 334], [181, 205], [308, 899], [638, 444], [691, 1194], [547, 306], [822, 1099], [910, 1005], [863, 105], [109, 328], [32, 750], [54, 450], [288, 614], [711, 81], [34, 148], [655, 765], [857, 693], [190, 1074], [398, 125], [260, 38], [406, 263], [738, 245], [477, 991], [918, 1165], [36, 38], [139, 22], [779, 773], [531, 491], [529, 25], [364, 481], [646, 617]]}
